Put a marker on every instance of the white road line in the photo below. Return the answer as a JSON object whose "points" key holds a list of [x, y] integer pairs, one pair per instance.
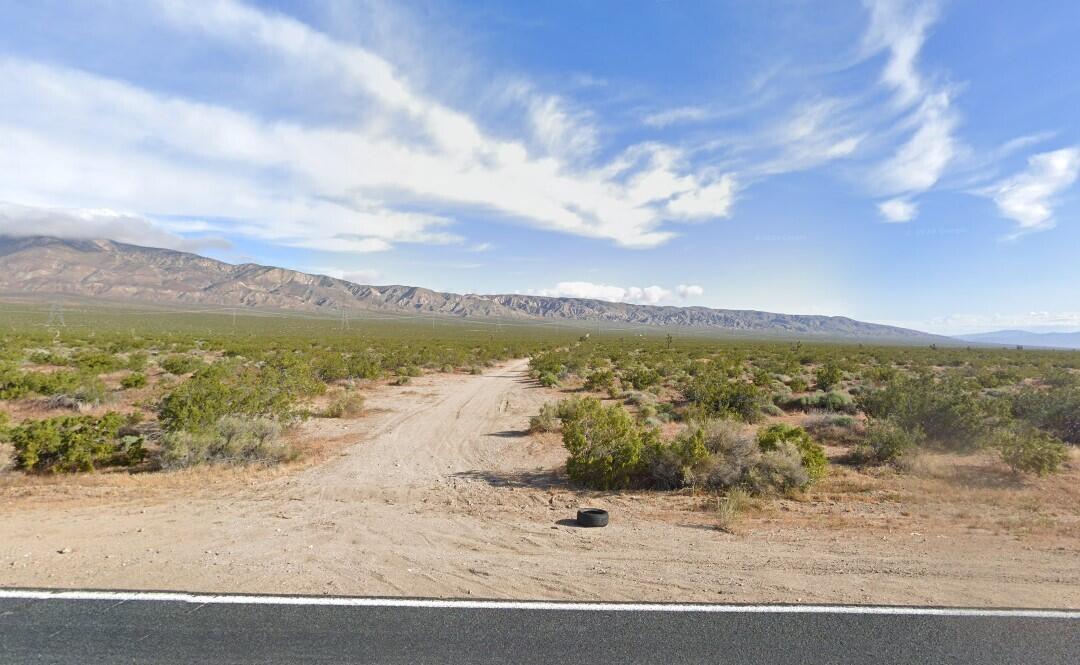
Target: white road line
{"points": [[212, 599]]}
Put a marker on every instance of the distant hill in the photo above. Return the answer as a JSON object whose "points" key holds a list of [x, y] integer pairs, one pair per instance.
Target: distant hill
{"points": [[122, 273], [1056, 340]]}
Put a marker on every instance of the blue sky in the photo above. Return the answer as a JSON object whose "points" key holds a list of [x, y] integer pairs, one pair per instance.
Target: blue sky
{"points": [[902, 162]]}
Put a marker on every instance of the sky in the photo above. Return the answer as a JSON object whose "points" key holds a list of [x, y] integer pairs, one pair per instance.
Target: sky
{"points": [[912, 163]]}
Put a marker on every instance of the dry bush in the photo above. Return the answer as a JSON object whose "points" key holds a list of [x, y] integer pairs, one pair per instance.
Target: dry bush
{"points": [[729, 507], [732, 453], [232, 440], [780, 469], [346, 405], [838, 430], [547, 420]]}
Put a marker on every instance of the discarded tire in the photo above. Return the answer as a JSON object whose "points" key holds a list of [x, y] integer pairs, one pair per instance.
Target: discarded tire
{"points": [[592, 517]]}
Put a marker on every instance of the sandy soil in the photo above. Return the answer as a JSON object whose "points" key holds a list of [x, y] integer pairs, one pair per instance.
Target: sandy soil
{"points": [[438, 491]]}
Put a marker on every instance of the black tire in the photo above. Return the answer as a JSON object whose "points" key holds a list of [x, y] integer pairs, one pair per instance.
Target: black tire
{"points": [[592, 517]]}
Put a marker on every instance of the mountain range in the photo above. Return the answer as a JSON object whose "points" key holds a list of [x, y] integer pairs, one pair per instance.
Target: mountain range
{"points": [[1055, 340], [119, 273]]}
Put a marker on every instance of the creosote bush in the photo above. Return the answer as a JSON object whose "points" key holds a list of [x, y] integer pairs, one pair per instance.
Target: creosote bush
{"points": [[75, 443], [950, 414], [1027, 450], [180, 363], [605, 445], [886, 442], [828, 376], [133, 380], [233, 388], [811, 454]]}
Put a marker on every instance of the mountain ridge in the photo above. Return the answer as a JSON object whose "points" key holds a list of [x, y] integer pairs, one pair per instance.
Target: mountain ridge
{"points": [[105, 269], [1054, 340]]}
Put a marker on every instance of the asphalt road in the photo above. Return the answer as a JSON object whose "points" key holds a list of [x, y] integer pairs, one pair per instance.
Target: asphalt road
{"points": [[102, 628]]}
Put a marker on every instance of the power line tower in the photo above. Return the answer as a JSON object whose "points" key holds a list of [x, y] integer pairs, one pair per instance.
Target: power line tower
{"points": [[56, 316], [344, 319]]}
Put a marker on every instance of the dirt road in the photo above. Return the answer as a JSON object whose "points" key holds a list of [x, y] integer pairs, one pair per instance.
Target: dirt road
{"points": [[440, 492]]}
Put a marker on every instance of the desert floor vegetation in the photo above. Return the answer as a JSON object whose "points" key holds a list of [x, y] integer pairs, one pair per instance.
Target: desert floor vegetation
{"points": [[763, 478]]}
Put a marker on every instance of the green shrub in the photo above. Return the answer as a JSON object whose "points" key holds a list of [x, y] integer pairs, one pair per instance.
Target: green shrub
{"points": [[811, 453], [568, 409], [41, 357], [670, 465], [715, 395], [605, 445], [232, 440], [1054, 410], [1029, 450], [96, 362], [827, 377], [133, 380], [831, 401], [136, 361], [641, 377], [75, 443], [15, 383], [798, 384], [600, 380], [330, 366], [180, 363], [886, 442], [233, 388], [549, 380], [949, 413]]}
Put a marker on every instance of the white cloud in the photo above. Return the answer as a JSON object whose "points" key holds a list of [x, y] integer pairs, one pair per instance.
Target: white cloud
{"points": [[79, 140], [918, 164], [689, 290], [460, 164], [812, 134], [713, 200], [356, 276], [21, 221], [900, 28], [1028, 197], [682, 114], [959, 324], [557, 130], [649, 295], [898, 210]]}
